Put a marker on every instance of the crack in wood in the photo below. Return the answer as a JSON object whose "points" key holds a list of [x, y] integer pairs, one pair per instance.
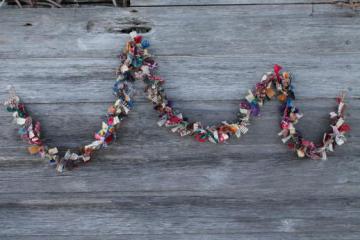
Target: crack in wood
{"points": [[118, 25]]}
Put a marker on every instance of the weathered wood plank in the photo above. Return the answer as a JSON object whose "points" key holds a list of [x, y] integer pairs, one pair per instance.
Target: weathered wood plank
{"points": [[213, 78], [158, 3], [225, 30], [184, 215], [81, 120], [181, 236], [148, 3], [245, 175]]}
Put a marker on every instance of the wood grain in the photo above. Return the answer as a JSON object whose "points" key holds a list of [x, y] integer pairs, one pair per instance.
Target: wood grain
{"points": [[148, 3], [152, 184], [218, 78], [284, 29]]}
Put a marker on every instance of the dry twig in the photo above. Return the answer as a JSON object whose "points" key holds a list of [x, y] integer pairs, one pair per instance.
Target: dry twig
{"points": [[18, 3], [353, 4]]}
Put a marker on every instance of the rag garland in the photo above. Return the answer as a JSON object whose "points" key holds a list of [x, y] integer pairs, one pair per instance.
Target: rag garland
{"points": [[138, 64]]}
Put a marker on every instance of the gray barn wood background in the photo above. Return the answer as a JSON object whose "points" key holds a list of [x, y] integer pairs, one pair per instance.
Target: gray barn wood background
{"points": [[151, 184]]}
